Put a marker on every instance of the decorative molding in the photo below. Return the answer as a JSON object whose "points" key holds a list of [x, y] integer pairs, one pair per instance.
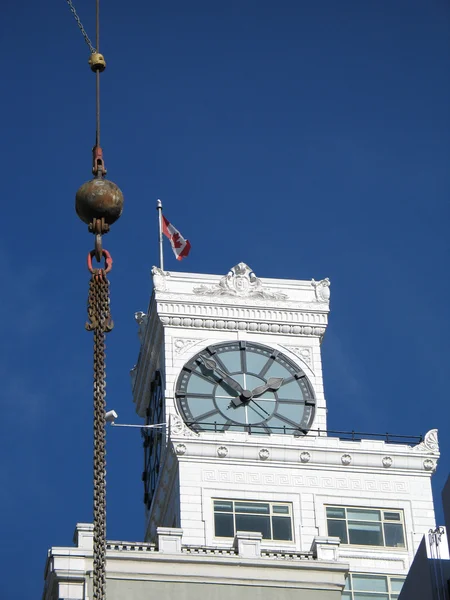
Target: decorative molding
{"points": [[242, 282], [180, 310], [182, 345], [141, 319], [387, 462], [308, 481], [222, 451], [346, 459], [180, 449], [179, 428], [271, 328], [429, 465], [430, 443], [305, 457], [321, 289], [264, 454], [160, 279], [303, 352]]}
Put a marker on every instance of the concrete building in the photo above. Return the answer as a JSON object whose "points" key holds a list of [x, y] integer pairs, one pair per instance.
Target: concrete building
{"points": [[429, 575], [245, 486]]}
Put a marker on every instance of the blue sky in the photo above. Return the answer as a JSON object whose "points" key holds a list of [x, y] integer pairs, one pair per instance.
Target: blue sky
{"points": [[307, 139]]}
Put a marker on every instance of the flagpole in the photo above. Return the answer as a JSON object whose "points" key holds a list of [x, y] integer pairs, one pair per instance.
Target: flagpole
{"points": [[161, 257]]}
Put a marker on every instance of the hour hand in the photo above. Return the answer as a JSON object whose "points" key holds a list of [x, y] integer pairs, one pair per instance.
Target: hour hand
{"points": [[211, 365], [273, 384]]}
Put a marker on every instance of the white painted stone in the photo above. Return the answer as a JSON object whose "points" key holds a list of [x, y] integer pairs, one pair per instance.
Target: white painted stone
{"points": [[248, 544], [169, 540]]}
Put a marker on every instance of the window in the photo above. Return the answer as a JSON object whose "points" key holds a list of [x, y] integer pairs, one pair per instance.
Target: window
{"points": [[272, 519], [372, 587], [367, 527]]}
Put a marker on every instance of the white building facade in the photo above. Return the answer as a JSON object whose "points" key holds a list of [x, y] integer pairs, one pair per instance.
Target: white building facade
{"points": [[244, 469]]}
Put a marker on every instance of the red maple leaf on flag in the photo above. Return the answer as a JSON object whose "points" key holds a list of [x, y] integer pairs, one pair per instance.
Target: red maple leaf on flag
{"points": [[176, 240]]}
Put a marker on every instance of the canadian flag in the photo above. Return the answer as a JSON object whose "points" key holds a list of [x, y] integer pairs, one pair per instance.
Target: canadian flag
{"points": [[180, 246]]}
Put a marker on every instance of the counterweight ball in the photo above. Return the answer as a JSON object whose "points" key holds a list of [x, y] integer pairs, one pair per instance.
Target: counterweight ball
{"points": [[99, 198]]}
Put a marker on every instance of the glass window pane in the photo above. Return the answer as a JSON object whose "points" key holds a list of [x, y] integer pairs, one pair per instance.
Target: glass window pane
{"points": [[397, 584], [335, 512], [254, 523], [346, 596], [255, 362], [200, 406], [291, 411], [393, 533], [280, 509], [223, 525], [197, 385], [363, 515], [252, 507], [365, 534], [282, 528], [370, 583], [392, 516], [223, 505], [277, 370], [338, 529], [231, 360], [290, 391], [348, 583]]}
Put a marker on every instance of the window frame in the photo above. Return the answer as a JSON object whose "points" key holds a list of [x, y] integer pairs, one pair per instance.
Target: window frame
{"points": [[393, 595], [270, 516], [382, 521]]}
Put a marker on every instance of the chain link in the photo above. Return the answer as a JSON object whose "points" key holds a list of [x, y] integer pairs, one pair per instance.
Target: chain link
{"points": [[80, 25], [100, 323]]}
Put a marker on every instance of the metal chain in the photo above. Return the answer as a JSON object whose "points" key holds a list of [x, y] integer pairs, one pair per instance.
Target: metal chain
{"points": [[80, 25], [100, 323]]}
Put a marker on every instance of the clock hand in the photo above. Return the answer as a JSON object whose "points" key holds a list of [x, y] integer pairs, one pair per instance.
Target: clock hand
{"points": [[260, 408], [273, 384], [211, 365]]}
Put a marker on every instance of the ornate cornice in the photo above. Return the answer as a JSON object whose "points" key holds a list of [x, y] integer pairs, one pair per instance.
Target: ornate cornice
{"points": [[316, 452], [239, 282], [238, 325]]}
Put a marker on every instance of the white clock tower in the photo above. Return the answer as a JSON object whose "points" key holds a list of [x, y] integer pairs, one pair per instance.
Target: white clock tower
{"points": [[243, 485]]}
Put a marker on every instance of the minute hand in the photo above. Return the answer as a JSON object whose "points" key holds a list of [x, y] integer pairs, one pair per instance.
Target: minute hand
{"points": [[273, 384], [212, 366]]}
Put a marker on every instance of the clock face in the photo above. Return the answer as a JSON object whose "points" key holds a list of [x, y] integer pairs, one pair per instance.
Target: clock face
{"points": [[242, 386], [152, 440]]}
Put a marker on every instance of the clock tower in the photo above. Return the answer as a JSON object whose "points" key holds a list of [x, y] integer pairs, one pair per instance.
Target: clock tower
{"points": [[243, 483]]}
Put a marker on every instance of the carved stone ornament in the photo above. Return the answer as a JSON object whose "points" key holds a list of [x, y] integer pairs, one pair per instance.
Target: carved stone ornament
{"points": [[322, 289], [141, 319], [430, 443], [182, 345], [264, 454], [179, 428], [305, 457], [387, 462], [180, 449], [160, 279], [346, 459], [429, 465], [305, 353], [242, 283], [222, 451]]}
